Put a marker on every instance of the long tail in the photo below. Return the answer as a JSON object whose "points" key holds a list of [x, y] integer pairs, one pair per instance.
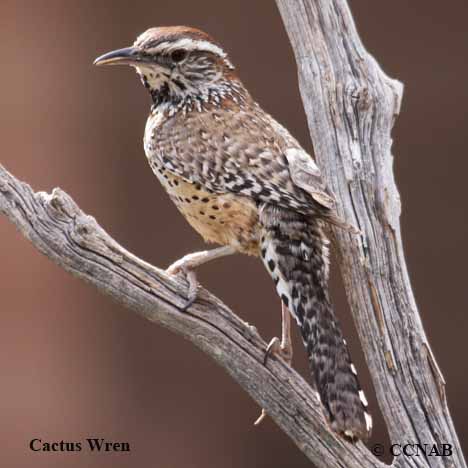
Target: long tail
{"points": [[295, 252]]}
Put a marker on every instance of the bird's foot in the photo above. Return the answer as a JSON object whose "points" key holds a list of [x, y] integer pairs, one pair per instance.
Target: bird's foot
{"points": [[187, 262], [185, 268], [276, 348], [285, 352]]}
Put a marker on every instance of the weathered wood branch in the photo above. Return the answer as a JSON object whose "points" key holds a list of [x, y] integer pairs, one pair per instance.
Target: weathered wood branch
{"points": [[351, 106], [59, 229]]}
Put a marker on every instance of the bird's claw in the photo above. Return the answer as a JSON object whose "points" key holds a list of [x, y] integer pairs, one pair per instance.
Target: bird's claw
{"points": [[192, 292], [276, 348], [191, 277]]}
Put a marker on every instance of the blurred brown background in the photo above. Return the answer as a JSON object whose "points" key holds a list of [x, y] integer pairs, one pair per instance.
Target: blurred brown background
{"points": [[73, 364]]}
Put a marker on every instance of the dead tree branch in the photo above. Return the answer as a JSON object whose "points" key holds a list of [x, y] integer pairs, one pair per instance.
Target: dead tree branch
{"points": [[59, 229], [351, 106]]}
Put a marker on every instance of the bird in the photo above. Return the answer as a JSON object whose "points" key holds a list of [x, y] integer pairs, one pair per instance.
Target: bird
{"points": [[243, 182]]}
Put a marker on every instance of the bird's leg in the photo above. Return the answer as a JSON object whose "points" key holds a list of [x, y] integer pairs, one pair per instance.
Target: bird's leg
{"points": [[281, 348], [284, 347], [193, 260], [187, 264]]}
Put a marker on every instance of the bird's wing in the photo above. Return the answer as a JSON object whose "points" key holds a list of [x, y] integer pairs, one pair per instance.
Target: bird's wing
{"points": [[251, 156], [306, 175]]}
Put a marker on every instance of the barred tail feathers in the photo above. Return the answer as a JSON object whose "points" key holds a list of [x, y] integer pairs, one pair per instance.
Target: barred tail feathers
{"points": [[295, 252]]}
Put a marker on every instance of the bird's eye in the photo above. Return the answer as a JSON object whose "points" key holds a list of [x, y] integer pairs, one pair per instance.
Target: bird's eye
{"points": [[178, 55]]}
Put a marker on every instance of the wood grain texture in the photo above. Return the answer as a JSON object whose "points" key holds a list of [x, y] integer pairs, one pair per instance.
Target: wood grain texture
{"points": [[351, 106]]}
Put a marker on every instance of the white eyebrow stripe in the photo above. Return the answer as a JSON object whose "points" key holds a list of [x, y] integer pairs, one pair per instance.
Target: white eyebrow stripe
{"points": [[190, 45]]}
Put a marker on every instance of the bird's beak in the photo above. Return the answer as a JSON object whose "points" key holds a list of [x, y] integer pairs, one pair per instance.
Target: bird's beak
{"points": [[126, 56]]}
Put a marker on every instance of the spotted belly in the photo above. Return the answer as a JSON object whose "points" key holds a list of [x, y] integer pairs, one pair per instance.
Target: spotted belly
{"points": [[224, 219]]}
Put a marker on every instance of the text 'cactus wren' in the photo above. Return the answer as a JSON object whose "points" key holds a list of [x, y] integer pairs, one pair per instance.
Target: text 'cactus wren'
{"points": [[242, 181]]}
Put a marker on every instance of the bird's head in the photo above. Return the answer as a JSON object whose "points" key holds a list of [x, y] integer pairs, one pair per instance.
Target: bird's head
{"points": [[175, 63]]}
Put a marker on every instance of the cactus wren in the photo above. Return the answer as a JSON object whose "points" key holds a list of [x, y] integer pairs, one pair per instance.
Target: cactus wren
{"points": [[242, 181]]}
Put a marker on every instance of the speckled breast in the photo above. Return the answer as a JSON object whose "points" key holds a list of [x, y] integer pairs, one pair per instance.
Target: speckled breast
{"points": [[224, 219]]}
